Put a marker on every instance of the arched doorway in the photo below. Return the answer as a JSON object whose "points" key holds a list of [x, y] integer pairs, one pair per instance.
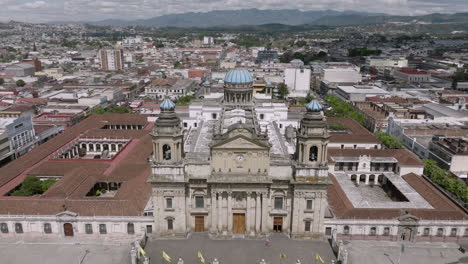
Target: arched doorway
{"points": [[68, 229], [406, 235]]}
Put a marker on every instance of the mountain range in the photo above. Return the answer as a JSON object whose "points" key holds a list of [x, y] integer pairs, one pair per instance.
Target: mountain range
{"points": [[226, 18]]}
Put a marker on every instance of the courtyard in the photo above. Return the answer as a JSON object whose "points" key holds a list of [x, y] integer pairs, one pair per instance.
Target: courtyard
{"points": [[237, 251]]}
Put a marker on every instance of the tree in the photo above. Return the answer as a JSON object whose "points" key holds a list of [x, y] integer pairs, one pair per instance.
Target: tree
{"points": [[185, 100], [442, 178], [30, 186], [282, 90], [20, 83], [177, 64], [2, 81], [340, 108], [389, 141]]}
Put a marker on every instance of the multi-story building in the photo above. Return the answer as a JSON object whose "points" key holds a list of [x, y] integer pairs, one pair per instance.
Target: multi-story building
{"points": [[21, 70], [298, 81], [111, 60], [19, 132], [387, 62], [451, 154], [412, 75]]}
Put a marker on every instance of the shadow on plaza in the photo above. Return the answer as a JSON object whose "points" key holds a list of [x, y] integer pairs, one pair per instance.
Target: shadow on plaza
{"points": [[236, 251]]}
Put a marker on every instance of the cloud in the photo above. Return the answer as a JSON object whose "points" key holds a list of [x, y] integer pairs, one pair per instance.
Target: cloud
{"points": [[93, 10]]}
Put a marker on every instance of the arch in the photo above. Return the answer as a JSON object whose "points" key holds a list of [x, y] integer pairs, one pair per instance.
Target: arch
{"points": [[68, 229], [313, 153], [362, 178], [354, 178], [166, 152], [372, 179], [380, 179], [346, 230]]}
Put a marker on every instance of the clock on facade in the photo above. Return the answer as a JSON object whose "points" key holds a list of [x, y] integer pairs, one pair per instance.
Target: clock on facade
{"points": [[240, 158]]}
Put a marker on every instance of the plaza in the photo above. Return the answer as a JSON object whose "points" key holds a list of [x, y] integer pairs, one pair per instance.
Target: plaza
{"points": [[246, 251]]}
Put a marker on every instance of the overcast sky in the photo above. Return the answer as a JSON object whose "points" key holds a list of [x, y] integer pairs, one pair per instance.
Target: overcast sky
{"points": [[94, 10]]}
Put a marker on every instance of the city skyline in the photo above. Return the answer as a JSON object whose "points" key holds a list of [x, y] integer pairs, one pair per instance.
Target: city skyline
{"points": [[88, 10]]}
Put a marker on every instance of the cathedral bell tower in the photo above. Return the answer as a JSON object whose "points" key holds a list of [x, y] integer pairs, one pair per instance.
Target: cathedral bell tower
{"points": [[312, 142], [168, 142]]}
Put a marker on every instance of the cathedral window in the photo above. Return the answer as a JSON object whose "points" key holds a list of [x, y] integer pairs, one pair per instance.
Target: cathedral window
{"points": [[130, 228], [307, 226], [166, 152], [149, 229], [262, 116], [386, 231], [18, 228], [453, 232], [309, 204], [278, 202], [88, 228], [170, 224], [440, 232], [168, 203], [346, 230], [199, 202], [102, 229], [4, 228], [313, 153], [47, 228], [427, 231]]}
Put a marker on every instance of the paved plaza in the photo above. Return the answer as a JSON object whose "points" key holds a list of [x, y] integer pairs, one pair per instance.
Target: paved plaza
{"points": [[382, 252], [239, 251], [63, 251]]}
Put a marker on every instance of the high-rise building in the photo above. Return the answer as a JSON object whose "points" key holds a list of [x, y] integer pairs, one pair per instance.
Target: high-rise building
{"points": [[111, 60]]}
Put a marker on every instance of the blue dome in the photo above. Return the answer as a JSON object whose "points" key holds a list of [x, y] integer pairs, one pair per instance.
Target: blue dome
{"points": [[167, 104], [238, 76], [314, 106]]}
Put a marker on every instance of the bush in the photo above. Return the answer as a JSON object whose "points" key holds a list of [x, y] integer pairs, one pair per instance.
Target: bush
{"points": [[337, 127], [185, 100], [389, 141], [441, 177]]}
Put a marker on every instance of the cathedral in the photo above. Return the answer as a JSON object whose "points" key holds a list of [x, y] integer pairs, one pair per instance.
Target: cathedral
{"points": [[229, 170]]}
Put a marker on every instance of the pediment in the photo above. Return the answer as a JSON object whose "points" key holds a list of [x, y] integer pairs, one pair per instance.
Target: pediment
{"points": [[66, 214], [408, 218], [239, 142]]}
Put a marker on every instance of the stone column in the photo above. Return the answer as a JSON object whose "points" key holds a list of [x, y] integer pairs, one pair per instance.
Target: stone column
{"points": [[247, 213], [258, 212], [229, 211], [213, 212], [367, 179], [220, 206], [376, 179], [265, 212]]}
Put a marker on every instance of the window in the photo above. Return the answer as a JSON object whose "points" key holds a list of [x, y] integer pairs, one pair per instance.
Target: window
{"points": [[453, 232], [466, 232], [309, 204], [185, 124], [168, 203], [130, 228], [262, 116], [4, 228], [18, 228], [88, 228], [102, 229], [427, 231], [440, 232], [199, 202], [373, 231], [149, 229], [307, 226], [346, 230], [313, 153], [170, 224], [328, 231], [214, 116], [47, 228], [166, 152], [278, 202], [342, 146], [355, 146], [386, 231]]}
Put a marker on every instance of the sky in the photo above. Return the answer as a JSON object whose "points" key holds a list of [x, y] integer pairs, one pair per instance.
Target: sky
{"points": [[95, 10]]}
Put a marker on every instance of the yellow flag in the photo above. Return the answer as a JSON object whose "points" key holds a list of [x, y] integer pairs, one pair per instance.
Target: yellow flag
{"points": [[166, 256], [200, 256], [282, 256], [142, 252], [319, 258]]}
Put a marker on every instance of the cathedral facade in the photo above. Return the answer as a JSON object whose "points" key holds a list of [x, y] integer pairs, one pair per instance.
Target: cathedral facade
{"points": [[234, 174]]}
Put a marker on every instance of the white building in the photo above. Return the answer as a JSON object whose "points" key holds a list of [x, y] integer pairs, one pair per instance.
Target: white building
{"points": [[298, 81], [111, 60], [387, 62]]}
